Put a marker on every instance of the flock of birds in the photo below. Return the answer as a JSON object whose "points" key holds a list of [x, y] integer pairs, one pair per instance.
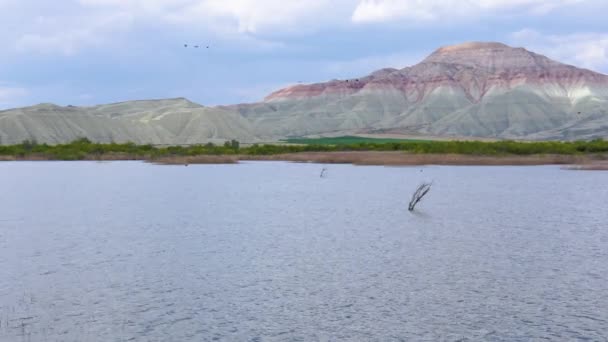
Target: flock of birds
{"points": [[195, 46], [323, 174], [422, 190]]}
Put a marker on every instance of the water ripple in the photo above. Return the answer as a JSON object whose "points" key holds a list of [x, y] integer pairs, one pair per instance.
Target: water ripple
{"points": [[267, 252]]}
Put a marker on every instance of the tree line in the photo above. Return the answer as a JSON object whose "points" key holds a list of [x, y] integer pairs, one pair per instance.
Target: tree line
{"points": [[85, 149]]}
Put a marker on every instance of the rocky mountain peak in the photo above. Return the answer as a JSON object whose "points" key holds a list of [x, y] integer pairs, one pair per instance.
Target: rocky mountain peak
{"points": [[472, 46], [489, 55]]}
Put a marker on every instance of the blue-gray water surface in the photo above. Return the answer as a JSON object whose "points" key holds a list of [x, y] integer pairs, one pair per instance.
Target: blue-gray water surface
{"points": [[270, 251]]}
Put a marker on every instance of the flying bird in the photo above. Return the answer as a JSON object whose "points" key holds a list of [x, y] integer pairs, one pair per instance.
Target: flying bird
{"points": [[195, 46]]}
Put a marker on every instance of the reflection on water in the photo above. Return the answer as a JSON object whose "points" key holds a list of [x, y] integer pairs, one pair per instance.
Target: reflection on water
{"points": [[273, 252]]}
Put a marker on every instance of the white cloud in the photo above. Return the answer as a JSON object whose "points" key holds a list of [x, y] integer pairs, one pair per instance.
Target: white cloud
{"points": [[425, 10], [588, 50], [254, 16], [68, 41], [251, 16], [61, 29], [70, 27]]}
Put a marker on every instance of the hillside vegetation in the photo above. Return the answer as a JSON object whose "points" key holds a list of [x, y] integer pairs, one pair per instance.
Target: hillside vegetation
{"points": [[347, 140], [83, 149]]}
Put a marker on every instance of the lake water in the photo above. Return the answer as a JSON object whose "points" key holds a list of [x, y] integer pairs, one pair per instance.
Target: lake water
{"points": [[269, 251]]}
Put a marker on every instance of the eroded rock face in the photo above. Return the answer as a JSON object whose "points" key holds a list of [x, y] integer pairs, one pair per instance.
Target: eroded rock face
{"points": [[471, 89], [167, 121], [475, 68], [467, 90]]}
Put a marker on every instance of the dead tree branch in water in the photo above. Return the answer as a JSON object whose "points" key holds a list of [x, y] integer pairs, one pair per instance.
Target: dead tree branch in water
{"points": [[322, 175], [422, 190]]}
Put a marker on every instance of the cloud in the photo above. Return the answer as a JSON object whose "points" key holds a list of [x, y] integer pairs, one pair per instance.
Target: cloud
{"points": [[426, 10], [69, 27], [588, 50], [59, 28], [255, 16], [69, 40], [246, 16]]}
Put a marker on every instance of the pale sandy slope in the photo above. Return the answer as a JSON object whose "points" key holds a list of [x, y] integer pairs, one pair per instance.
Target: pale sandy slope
{"points": [[476, 90], [171, 121]]}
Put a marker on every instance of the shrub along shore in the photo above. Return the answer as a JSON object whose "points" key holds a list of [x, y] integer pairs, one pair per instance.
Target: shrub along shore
{"points": [[368, 152]]}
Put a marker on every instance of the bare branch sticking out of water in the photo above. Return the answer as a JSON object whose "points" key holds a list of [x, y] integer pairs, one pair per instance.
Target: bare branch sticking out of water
{"points": [[422, 190], [323, 172]]}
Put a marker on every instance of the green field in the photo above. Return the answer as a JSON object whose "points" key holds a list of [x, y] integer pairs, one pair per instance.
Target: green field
{"points": [[347, 140]]}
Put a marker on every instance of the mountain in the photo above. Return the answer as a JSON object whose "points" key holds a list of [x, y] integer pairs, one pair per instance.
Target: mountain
{"points": [[169, 121], [472, 89], [475, 90]]}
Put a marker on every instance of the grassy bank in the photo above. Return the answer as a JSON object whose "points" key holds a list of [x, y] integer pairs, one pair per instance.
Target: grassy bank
{"points": [[366, 152], [348, 140], [409, 159]]}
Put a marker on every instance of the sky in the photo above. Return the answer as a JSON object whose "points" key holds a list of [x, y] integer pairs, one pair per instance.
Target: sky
{"points": [[87, 52]]}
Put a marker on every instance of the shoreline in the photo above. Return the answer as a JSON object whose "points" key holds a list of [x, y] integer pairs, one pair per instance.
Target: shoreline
{"points": [[378, 158], [412, 159]]}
